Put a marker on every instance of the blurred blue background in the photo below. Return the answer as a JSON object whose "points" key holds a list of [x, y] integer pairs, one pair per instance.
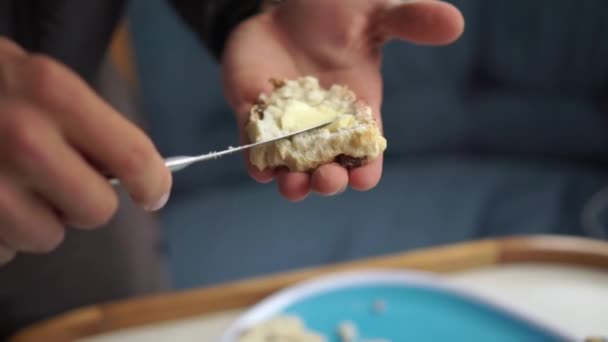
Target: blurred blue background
{"points": [[504, 132]]}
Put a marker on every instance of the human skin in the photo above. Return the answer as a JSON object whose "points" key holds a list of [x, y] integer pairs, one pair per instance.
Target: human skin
{"points": [[58, 139], [339, 42]]}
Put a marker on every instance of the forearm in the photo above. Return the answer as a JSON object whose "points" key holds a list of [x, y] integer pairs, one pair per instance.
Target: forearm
{"points": [[213, 20]]}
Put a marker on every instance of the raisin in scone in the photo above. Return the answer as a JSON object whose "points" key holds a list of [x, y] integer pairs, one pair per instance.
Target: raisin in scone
{"points": [[353, 139]]}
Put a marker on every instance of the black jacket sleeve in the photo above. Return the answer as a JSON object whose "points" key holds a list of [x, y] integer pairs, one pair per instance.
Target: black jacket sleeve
{"points": [[213, 20], [75, 32]]}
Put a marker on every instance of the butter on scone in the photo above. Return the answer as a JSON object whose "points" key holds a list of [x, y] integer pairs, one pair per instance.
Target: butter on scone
{"points": [[352, 139]]}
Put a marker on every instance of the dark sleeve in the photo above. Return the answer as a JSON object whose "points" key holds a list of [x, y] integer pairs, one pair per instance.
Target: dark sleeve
{"points": [[75, 32], [213, 20]]}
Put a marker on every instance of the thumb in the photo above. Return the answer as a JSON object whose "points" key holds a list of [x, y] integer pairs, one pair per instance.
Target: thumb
{"points": [[430, 22]]}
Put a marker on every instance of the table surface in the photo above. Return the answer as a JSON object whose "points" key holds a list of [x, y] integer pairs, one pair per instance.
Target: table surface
{"points": [[573, 298]]}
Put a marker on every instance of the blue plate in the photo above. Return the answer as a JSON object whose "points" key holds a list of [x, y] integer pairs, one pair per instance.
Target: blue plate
{"points": [[417, 307]]}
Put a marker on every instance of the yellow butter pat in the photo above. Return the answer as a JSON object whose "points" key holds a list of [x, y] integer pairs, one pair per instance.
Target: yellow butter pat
{"points": [[344, 121]]}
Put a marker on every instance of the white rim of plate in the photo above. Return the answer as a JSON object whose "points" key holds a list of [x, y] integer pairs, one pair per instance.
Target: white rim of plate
{"points": [[274, 304]]}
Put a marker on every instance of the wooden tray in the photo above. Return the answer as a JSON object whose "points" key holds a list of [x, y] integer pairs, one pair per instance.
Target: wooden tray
{"points": [[105, 318]]}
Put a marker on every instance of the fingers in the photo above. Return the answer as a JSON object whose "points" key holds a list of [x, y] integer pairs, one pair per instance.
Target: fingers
{"points": [[295, 186], [132, 158], [27, 224], [422, 22], [366, 177], [9, 52], [53, 128], [9, 49], [97, 130], [327, 180], [57, 172], [260, 176], [264, 176], [330, 179], [6, 254]]}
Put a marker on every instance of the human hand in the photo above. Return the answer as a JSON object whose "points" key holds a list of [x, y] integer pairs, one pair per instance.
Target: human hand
{"points": [[55, 136], [337, 41]]}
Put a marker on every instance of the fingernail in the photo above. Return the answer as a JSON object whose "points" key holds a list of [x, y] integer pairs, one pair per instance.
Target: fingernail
{"points": [[341, 191], [159, 204]]}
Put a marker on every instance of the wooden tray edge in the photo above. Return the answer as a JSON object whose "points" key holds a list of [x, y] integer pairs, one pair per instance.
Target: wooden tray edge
{"points": [[104, 318]]}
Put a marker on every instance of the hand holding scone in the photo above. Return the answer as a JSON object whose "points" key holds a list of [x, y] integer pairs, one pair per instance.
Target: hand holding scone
{"points": [[339, 42]]}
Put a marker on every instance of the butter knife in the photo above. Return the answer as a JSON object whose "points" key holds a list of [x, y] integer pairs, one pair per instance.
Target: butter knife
{"points": [[178, 163]]}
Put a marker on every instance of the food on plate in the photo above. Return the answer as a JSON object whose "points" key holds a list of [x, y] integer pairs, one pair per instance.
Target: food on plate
{"points": [[281, 329], [348, 331], [352, 139], [293, 329], [379, 306]]}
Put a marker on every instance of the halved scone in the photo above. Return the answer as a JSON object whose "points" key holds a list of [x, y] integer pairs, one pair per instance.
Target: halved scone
{"points": [[353, 139], [281, 329]]}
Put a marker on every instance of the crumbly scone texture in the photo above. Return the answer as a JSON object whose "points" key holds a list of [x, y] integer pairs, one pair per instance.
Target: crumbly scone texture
{"points": [[281, 329], [353, 141]]}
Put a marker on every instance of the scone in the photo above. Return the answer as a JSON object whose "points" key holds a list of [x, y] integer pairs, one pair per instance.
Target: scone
{"points": [[353, 139], [281, 329]]}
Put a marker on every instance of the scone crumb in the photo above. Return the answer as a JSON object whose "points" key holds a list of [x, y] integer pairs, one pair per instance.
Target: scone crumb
{"points": [[293, 329], [348, 332], [379, 306], [281, 329]]}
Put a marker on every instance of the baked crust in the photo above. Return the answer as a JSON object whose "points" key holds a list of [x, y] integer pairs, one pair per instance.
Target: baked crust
{"points": [[354, 140]]}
